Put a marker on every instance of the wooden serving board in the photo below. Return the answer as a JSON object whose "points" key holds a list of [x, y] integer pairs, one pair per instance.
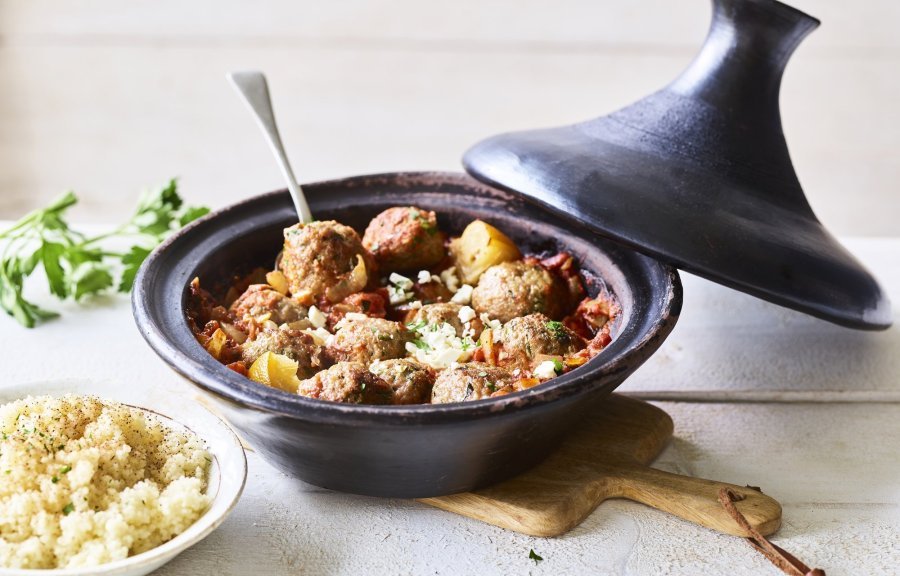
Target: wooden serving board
{"points": [[608, 457]]}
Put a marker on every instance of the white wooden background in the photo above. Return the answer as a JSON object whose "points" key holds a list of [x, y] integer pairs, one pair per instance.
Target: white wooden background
{"points": [[106, 96]]}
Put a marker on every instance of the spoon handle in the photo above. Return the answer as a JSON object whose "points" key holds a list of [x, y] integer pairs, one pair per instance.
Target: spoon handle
{"points": [[255, 91]]}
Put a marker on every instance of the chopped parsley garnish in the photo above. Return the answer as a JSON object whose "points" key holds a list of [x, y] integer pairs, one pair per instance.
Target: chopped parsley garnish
{"points": [[65, 469], [421, 344], [426, 225], [532, 555], [491, 386], [558, 366], [55, 479], [558, 329], [417, 326], [68, 509]]}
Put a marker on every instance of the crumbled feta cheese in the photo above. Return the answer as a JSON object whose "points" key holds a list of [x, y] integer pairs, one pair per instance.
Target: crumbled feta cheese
{"points": [[494, 325], [320, 335], [424, 277], [545, 370], [415, 304], [317, 318], [438, 346], [450, 280], [517, 371], [398, 295], [400, 281], [467, 314], [463, 295]]}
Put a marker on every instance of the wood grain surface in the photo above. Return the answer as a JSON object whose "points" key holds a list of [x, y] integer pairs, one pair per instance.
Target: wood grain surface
{"points": [[606, 458]]}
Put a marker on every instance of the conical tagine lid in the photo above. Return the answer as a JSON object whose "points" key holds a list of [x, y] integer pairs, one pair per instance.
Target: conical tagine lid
{"points": [[699, 175]]}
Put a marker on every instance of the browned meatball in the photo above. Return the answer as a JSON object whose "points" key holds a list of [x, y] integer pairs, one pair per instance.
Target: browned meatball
{"points": [[410, 380], [446, 313], [523, 341], [325, 258], [469, 381], [513, 289], [295, 344], [261, 302], [368, 340], [349, 382], [405, 238]]}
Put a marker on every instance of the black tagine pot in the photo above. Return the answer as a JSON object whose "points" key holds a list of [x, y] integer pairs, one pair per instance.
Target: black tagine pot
{"points": [[401, 451]]}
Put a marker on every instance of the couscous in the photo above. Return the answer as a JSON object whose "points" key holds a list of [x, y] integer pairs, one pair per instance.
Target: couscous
{"points": [[85, 482]]}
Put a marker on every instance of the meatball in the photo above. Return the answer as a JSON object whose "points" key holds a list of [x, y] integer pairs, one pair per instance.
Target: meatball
{"points": [[469, 381], [295, 344], [524, 340], [405, 238], [447, 313], [367, 340], [410, 380], [261, 302], [325, 258], [349, 382], [518, 288]]}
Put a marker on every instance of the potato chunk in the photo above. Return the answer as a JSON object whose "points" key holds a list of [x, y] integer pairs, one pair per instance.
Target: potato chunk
{"points": [[275, 370], [480, 247]]}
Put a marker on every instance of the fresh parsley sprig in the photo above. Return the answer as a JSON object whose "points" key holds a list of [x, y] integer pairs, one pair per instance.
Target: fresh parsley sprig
{"points": [[76, 265]]}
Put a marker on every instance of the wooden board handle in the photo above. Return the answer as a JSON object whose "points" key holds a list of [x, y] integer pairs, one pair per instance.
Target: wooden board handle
{"points": [[694, 499]]}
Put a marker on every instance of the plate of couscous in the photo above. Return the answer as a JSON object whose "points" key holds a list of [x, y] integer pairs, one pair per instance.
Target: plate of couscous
{"points": [[92, 484]]}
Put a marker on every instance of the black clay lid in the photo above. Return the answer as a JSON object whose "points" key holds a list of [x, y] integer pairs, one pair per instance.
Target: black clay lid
{"points": [[699, 175]]}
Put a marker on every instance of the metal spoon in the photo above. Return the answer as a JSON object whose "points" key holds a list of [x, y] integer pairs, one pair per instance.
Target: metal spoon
{"points": [[252, 86]]}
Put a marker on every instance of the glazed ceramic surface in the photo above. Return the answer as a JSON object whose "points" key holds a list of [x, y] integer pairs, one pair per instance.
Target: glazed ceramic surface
{"points": [[228, 471], [699, 175], [400, 451]]}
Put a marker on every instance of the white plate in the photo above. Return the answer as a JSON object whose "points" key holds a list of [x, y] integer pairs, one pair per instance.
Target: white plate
{"points": [[228, 471]]}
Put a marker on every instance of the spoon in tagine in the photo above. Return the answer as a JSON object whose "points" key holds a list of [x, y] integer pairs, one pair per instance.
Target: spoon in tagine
{"points": [[252, 86]]}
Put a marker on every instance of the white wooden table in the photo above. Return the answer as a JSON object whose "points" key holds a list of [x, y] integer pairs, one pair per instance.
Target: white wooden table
{"points": [[760, 395]]}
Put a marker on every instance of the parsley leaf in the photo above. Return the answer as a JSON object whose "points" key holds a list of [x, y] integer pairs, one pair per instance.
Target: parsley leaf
{"points": [[532, 555], [558, 366], [77, 266], [416, 326], [132, 261], [558, 329]]}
